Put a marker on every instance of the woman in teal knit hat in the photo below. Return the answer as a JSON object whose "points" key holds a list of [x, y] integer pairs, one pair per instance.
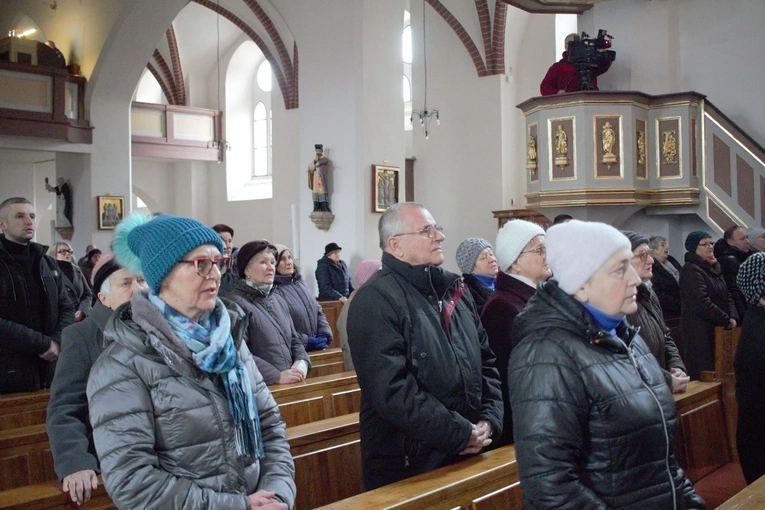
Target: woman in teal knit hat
{"points": [[181, 416]]}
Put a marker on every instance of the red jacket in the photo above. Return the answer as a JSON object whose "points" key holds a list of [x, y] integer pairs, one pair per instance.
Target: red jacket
{"points": [[563, 76]]}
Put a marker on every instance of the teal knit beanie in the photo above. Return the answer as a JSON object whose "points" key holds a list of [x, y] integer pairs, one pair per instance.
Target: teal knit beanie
{"points": [[693, 240], [154, 246]]}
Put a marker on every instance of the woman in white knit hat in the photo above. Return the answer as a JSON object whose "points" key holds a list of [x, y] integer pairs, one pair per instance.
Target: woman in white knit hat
{"points": [[594, 420], [522, 259]]}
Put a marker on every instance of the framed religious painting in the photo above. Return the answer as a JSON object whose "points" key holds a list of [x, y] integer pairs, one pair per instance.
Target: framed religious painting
{"points": [[111, 210], [385, 187]]}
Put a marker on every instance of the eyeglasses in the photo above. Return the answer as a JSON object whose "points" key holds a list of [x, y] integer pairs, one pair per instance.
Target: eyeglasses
{"points": [[541, 251], [710, 243], [428, 231], [205, 265], [65, 252], [643, 256]]}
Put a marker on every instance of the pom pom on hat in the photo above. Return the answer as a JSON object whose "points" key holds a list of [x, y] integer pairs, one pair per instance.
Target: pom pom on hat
{"points": [[751, 277], [512, 238], [154, 246], [694, 238], [366, 269], [577, 249], [468, 251]]}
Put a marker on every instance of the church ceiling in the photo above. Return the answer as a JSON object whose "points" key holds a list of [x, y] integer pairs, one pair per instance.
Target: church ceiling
{"points": [[555, 6]]}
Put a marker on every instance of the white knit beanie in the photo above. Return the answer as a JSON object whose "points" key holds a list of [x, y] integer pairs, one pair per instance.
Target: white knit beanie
{"points": [[577, 249], [512, 238]]}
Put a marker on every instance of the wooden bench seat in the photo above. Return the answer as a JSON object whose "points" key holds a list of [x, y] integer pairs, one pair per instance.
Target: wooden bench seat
{"points": [[23, 409], [489, 480], [25, 457], [318, 398], [326, 362], [48, 496], [752, 497]]}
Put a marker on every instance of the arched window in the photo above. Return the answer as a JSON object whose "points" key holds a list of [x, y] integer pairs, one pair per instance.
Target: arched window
{"points": [[261, 140], [264, 76]]}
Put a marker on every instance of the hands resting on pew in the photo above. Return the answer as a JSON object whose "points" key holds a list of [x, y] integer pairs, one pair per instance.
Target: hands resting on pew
{"points": [[480, 438], [79, 485], [679, 380], [264, 500]]}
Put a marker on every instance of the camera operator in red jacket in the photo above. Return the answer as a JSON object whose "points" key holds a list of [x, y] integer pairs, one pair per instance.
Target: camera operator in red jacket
{"points": [[563, 75]]}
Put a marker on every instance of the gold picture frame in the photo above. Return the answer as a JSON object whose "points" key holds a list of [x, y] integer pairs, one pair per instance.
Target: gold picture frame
{"points": [[385, 187], [110, 211]]}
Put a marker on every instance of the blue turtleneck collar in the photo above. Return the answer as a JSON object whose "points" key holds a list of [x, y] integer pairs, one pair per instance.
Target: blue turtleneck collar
{"points": [[486, 280], [603, 320]]}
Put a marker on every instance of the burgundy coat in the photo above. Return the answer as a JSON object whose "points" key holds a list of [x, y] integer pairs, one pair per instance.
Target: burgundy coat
{"points": [[506, 302], [563, 76]]}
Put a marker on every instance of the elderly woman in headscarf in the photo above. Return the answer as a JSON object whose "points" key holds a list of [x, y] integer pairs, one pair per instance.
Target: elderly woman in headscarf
{"points": [[181, 415], [278, 350], [705, 303], [594, 421], [307, 316], [77, 287], [478, 264], [522, 259], [649, 318], [750, 376]]}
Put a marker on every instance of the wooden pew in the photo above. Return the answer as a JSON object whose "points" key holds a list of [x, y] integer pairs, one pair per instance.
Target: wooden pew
{"points": [[327, 457], [23, 409], [701, 438], [326, 362], [25, 457], [332, 311], [726, 343], [752, 497], [48, 496], [487, 481], [318, 398]]}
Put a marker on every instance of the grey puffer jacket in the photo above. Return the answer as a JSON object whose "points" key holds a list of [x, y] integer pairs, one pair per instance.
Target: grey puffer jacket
{"points": [[594, 420], [307, 316], [163, 429], [271, 336]]}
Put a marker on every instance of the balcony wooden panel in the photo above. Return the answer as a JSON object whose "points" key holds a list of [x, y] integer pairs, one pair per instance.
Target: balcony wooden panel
{"points": [[175, 132]]}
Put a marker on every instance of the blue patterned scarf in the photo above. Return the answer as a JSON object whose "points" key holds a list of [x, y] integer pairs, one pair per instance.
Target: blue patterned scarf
{"points": [[213, 351]]}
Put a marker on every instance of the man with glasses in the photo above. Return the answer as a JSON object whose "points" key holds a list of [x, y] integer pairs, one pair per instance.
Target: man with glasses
{"points": [[430, 390], [649, 317], [731, 251], [34, 307]]}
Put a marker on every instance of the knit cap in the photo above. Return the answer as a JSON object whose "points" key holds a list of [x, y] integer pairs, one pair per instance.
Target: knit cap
{"points": [[635, 238], [512, 238], [366, 269], [280, 249], [577, 249], [754, 233], [103, 269], [693, 240], [154, 246], [468, 251], [248, 251], [751, 277]]}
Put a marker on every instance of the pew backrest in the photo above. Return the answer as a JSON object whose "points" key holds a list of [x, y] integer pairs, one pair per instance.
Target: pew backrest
{"points": [[318, 398]]}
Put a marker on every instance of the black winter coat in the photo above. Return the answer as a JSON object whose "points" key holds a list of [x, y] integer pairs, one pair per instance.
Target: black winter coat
{"points": [[706, 303], [730, 258], [667, 289], [422, 385], [508, 300], [67, 423], [79, 291], [655, 333], [271, 336], [480, 292], [333, 280], [306, 312], [750, 387], [594, 421], [21, 368]]}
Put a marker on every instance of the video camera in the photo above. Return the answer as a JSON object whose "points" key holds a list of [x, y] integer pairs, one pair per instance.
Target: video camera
{"points": [[587, 53]]}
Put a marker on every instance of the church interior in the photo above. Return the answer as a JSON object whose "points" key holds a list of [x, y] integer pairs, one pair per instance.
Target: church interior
{"points": [[211, 109]]}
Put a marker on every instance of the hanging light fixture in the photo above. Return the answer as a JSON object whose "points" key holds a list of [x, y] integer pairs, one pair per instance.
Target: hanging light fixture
{"points": [[219, 143], [426, 114]]}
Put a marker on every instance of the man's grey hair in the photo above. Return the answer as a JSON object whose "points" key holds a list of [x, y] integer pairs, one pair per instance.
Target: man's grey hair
{"points": [[106, 285], [392, 223], [9, 202], [654, 241]]}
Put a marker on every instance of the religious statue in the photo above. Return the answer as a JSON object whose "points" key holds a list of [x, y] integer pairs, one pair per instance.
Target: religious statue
{"points": [[531, 155], [641, 147], [317, 180], [669, 147], [63, 202], [561, 147], [608, 138]]}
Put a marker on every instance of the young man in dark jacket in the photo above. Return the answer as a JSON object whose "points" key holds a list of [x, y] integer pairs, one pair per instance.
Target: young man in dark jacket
{"points": [[34, 307], [69, 431], [731, 251], [430, 391]]}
